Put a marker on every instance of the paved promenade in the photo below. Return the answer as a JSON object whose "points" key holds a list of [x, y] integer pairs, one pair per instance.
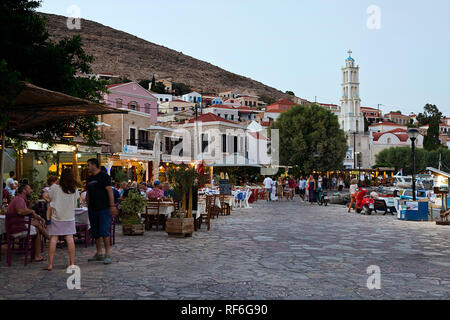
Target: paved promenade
{"points": [[291, 250]]}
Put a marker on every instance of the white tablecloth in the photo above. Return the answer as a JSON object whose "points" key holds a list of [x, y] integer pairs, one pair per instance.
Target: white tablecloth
{"points": [[201, 205], [82, 216], [165, 208]]}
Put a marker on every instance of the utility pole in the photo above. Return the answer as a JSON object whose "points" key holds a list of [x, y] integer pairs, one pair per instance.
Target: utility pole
{"points": [[354, 150]]}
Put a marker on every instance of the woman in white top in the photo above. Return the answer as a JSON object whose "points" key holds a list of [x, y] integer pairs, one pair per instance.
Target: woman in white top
{"points": [[63, 198]]}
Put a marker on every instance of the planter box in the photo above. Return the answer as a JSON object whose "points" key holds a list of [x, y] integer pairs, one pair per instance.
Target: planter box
{"points": [[133, 229], [180, 227]]}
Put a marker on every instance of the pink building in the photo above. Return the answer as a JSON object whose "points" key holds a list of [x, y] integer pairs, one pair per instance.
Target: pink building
{"points": [[133, 97]]}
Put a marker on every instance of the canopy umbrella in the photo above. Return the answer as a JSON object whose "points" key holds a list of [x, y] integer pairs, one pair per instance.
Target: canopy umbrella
{"points": [[35, 106]]}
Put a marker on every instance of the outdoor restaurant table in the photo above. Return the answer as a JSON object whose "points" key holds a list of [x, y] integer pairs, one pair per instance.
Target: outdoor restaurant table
{"points": [[82, 216], [201, 204], [165, 208]]}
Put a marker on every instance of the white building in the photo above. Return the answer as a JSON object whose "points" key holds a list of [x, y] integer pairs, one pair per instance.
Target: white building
{"points": [[163, 97], [194, 97]]}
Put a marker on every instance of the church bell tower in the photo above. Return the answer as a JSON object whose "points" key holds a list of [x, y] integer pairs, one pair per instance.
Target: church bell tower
{"points": [[351, 119]]}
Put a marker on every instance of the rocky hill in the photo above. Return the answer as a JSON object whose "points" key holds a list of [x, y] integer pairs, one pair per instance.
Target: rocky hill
{"points": [[128, 56]]}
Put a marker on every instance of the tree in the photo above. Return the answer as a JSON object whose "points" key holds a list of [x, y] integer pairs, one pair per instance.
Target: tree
{"points": [[310, 137], [145, 84], [28, 53], [431, 140], [180, 88], [159, 87], [290, 93], [431, 111], [400, 158]]}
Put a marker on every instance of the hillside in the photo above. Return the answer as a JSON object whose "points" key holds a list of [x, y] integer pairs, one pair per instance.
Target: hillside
{"points": [[126, 55]]}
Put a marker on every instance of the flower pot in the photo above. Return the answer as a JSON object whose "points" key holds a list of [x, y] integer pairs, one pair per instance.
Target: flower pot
{"points": [[180, 227], [133, 229]]}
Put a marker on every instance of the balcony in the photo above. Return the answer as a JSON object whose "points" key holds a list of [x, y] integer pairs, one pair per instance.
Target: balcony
{"points": [[141, 144]]}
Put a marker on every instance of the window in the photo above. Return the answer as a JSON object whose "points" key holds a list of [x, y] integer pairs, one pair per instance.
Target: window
{"points": [[235, 144], [119, 103], [205, 142], [133, 105], [132, 136], [224, 143], [147, 108]]}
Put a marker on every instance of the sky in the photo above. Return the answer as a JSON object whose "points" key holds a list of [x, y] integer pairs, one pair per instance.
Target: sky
{"points": [[401, 46]]}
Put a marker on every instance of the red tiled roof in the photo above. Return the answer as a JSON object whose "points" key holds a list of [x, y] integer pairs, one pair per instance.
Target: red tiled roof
{"points": [[394, 113], [387, 123], [265, 123], [210, 117], [369, 108], [400, 133], [282, 102]]}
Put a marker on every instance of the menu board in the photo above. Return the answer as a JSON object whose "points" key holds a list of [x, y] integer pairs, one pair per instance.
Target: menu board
{"points": [[224, 186]]}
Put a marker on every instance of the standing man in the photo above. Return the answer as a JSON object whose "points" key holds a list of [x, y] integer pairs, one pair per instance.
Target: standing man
{"points": [[302, 187], [268, 186], [291, 185], [100, 200]]}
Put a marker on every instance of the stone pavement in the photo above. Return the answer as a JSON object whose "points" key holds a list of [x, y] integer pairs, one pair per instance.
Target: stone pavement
{"points": [[291, 250]]}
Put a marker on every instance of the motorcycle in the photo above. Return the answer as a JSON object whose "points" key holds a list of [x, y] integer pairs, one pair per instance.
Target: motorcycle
{"points": [[364, 203]]}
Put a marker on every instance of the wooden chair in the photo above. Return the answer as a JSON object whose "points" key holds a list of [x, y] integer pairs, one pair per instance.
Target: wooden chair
{"points": [[215, 210], [225, 209], [153, 216], [206, 217], [16, 229]]}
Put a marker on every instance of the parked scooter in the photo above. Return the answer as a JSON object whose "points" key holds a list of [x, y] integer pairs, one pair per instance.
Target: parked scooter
{"points": [[364, 202]]}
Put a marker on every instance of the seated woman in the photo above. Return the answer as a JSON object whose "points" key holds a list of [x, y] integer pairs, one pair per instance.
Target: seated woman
{"points": [[168, 193]]}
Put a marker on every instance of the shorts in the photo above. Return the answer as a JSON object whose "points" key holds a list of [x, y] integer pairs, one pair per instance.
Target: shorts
{"points": [[100, 223]]}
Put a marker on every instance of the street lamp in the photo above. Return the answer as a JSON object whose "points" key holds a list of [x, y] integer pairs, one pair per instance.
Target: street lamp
{"points": [[413, 133]]}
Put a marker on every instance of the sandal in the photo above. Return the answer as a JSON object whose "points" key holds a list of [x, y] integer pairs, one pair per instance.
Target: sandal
{"points": [[39, 260], [47, 269]]}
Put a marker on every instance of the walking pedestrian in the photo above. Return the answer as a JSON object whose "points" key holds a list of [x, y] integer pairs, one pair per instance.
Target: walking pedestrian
{"points": [[319, 188], [268, 186], [101, 206], [63, 201], [302, 187], [312, 185]]}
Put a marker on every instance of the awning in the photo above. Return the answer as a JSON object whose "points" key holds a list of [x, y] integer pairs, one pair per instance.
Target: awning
{"points": [[35, 106]]}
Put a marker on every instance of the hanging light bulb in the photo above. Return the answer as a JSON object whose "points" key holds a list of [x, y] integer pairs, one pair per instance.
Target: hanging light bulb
{"points": [[25, 151], [55, 151]]}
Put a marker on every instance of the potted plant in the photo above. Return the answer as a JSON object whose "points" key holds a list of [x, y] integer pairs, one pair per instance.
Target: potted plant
{"points": [[184, 178], [131, 206]]}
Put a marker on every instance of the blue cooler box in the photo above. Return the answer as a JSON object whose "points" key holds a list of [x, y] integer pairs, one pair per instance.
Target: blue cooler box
{"points": [[413, 210]]}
